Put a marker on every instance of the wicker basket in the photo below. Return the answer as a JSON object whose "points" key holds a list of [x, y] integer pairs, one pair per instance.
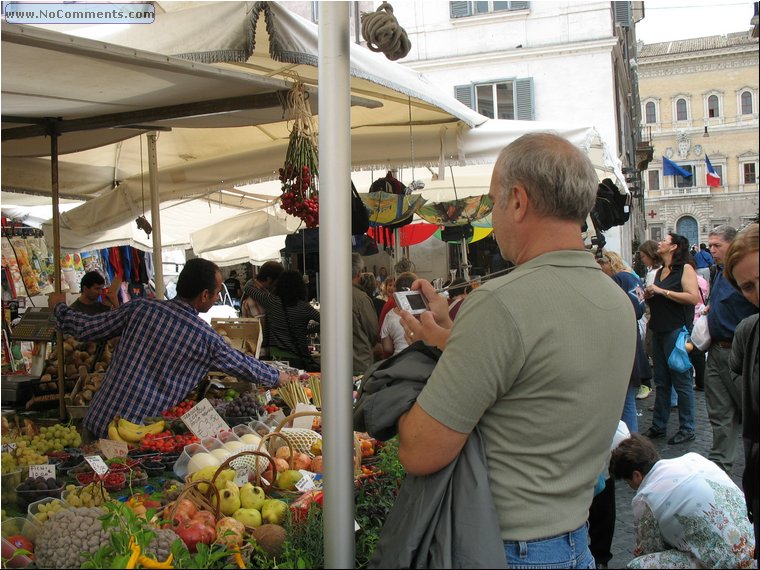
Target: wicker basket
{"points": [[292, 433]]}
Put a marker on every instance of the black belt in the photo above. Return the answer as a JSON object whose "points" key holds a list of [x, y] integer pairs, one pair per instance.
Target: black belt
{"points": [[723, 343]]}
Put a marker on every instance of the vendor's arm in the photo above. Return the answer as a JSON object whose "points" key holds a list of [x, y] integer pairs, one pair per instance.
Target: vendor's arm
{"points": [[234, 362], [91, 327], [425, 444]]}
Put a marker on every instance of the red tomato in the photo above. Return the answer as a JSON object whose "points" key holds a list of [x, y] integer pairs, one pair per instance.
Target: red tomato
{"points": [[20, 541]]}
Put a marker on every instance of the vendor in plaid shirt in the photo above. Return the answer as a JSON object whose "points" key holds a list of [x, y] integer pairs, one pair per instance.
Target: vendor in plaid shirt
{"points": [[164, 351]]}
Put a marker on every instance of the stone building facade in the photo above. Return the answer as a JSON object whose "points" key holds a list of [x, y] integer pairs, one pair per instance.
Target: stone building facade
{"points": [[699, 102]]}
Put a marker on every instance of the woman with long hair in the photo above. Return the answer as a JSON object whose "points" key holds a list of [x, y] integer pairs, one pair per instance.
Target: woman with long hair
{"points": [[742, 270], [671, 299], [289, 316]]}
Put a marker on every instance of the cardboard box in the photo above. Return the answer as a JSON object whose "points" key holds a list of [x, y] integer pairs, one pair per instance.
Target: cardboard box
{"points": [[245, 334]]}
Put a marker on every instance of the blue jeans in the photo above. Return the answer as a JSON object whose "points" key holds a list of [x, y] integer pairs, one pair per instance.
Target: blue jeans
{"points": [[666, 380], [568, 550], [629, 416]]}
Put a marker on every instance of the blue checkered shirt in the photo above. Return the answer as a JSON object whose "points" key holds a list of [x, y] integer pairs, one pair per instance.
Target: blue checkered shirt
{"points": [[164, 351]]}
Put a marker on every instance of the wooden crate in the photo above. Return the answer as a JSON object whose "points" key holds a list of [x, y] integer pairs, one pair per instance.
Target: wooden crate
{"points": [[245, 334]]}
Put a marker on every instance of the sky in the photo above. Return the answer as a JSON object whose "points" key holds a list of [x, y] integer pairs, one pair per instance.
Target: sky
{"points": [[666, 20]]}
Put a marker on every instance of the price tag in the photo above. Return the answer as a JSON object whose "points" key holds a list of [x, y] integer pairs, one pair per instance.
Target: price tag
{"points": [[97, 464], [46, 471], [267, 396], [203, 420], [111, 448], [9, 447], [356, 526], [241, 477], [306, 483], [304, 422]]}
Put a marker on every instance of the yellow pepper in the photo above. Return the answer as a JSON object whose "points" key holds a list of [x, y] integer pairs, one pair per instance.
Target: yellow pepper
{"points": [[135, 548], [147, 562], [238, 559]]}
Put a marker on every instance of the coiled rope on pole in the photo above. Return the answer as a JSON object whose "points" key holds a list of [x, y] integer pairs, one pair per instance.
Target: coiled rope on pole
{"points": [[381, 31]]}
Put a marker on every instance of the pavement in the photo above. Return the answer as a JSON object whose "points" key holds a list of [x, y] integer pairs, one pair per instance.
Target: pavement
{"points": [[623, 540]]}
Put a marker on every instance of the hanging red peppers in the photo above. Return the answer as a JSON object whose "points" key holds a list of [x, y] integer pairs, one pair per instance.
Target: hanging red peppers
{"points": [[299, 175]]}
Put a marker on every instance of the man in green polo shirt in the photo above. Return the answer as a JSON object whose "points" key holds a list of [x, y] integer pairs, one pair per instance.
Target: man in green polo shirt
{"points": [[539, 360]]}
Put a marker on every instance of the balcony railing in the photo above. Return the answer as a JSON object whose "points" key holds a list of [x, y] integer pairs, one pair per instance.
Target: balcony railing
{"points": [[701, 191]]}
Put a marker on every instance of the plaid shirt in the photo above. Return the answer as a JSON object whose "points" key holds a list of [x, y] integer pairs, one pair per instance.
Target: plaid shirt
{"points": [[164, 351]]}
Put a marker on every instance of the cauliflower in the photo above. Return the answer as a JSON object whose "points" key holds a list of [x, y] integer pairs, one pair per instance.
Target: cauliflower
{"points": [[161, 546], [67, 535]]}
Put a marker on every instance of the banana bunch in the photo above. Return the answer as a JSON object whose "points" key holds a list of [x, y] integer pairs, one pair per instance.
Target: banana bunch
{"points": [[124, 430]]}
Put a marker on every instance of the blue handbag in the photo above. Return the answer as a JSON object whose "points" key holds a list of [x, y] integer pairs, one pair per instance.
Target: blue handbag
{"points": [[678, 361]]}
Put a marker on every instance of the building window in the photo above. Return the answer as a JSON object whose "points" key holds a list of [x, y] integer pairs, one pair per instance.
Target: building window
{"points": [[681, 114], [746, 103], [656, 233], [685, 181], [464, 9], [713, 109], [654, 180], [651, 113], [511, 99], [749, 173]]}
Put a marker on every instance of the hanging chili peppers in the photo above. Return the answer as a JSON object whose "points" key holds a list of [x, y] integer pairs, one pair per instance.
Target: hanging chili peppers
{"points": [[299, 175]]}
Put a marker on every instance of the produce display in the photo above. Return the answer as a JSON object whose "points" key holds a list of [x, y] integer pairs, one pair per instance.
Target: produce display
{"points": [[247, 499]]}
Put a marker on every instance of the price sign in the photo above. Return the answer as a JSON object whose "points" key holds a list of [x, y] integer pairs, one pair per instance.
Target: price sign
{"points": [[306, 483], [97, 464], [9, 447], [241, 476], [45, 471], [203, 420], [267, 396], [111, 448], [304, 422]]}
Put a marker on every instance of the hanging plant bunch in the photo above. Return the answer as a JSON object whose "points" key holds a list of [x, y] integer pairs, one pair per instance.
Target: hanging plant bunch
{"points": [[299, 175]]}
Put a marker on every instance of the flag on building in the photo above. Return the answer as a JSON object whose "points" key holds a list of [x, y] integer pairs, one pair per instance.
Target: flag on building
{"points": [[712, 177], [670, 168]]}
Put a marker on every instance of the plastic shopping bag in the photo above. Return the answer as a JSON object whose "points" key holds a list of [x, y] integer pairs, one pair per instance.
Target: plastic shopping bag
{"points": [[700, 336], [678, 361]]}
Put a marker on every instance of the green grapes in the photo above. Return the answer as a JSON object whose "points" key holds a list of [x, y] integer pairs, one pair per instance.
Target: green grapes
{"points": [[47, 510], [92, 495]]}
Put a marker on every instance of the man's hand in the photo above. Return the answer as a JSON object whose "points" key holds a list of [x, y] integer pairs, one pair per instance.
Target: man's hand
{"points": [[55, 298], [286, 377], [113, 292], [433, 326]]}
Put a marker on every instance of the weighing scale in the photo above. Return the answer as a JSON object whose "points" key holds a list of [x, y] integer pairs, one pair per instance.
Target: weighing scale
{"points": [[37, 324]]}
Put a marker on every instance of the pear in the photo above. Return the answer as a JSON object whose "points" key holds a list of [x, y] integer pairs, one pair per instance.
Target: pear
{"points": [[205, 474], [224, 477], [273, 511], [252, 497], [249, 517], [229, 499], [287, 480]]}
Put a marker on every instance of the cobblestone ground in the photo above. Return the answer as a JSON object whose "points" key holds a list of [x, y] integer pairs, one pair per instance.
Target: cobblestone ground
{"points": [[622, 544]]}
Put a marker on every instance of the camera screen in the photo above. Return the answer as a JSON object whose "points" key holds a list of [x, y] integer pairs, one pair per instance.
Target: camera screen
{"points": [[416, 302]]}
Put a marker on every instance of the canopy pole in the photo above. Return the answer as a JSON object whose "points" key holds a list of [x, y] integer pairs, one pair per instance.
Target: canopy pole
{"points": [[397, 255], [335, 268], [57, 264], [155, 214], [465, 261]]}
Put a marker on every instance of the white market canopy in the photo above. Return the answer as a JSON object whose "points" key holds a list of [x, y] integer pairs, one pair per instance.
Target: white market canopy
{"points": [[191, 74]]}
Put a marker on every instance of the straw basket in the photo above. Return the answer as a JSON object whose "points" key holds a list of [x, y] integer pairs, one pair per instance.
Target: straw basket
{"points": [[302, 439]]}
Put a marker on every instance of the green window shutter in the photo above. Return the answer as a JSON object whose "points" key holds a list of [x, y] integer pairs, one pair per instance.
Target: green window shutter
{"points": [[460, 9], [621, 11], [524, 99], [464, 94]]}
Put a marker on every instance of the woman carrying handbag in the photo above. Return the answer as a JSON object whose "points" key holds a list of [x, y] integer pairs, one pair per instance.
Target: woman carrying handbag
{"points": [[671, 300]]}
